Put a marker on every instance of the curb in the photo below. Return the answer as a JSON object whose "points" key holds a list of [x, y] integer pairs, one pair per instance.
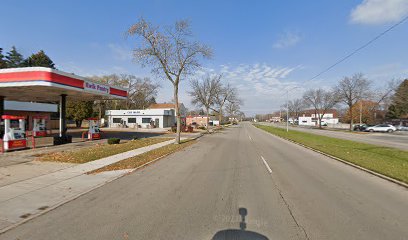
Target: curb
{"points": [[402, 184], [2, 231]]}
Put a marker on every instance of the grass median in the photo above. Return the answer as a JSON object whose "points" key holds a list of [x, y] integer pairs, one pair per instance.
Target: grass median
{"points": [[139, 160], [98, 151], [388, 161]]}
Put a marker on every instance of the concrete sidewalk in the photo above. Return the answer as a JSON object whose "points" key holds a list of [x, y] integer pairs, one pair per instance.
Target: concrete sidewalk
{"points": [[25, 199]]}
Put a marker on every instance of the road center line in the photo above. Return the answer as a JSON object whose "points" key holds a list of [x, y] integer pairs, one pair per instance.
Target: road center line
{"points": [[250, 138], [266, 164]]}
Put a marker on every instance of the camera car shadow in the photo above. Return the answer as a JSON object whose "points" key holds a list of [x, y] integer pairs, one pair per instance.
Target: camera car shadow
{"points": [[239, 234]]}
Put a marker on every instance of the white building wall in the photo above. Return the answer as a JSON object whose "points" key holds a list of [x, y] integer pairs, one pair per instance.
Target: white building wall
{"points": [[306, 121], [119, 118], [330, 120]]}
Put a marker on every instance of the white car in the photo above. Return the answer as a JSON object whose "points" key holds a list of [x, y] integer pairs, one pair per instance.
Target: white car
{"points": [[381, 128], [402, 128]]}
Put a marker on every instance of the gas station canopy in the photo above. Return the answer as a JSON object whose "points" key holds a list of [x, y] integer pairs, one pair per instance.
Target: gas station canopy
{"points": [[39, 84], [46, 85]]}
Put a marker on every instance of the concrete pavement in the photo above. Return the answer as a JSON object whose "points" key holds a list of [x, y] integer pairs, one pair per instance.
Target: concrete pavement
{"points": [[31, 196], [221, 188], [393, 140]]}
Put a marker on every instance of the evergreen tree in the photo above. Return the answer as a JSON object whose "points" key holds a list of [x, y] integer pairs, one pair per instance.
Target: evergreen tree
{"points": [[39, 59], [399, 107], [79, 110], [3, 62], [392, 112], [14, 58]]}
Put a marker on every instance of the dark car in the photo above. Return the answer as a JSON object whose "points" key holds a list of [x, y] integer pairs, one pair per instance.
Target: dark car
{"points": [[361, 127]]}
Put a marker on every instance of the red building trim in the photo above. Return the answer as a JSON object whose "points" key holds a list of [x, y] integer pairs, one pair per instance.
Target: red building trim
{"points": [[41, 76], [12, 117], [118, 92]]}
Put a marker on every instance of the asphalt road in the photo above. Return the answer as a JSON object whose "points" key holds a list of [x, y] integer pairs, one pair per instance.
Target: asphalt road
{"points": [[240, 184], [394, 140]]}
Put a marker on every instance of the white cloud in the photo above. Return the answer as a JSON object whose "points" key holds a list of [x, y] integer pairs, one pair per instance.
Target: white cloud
{"points": [[261, 86], [287, 39], [379, 11], [120, 52]]}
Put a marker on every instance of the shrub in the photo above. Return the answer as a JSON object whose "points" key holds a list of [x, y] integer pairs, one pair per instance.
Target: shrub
{"points": [[202, 128], [113, 140]]}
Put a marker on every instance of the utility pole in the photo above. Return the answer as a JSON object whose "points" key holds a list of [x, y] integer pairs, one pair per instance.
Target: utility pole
{"points": [[287, 107], [361, 111], [287, 110]]}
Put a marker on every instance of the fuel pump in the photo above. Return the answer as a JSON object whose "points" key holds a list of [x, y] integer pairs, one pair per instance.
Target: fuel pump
{"points": [[14, 132], [93, 132], [40, 126]]}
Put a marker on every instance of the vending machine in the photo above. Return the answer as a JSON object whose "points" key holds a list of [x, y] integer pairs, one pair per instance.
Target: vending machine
{"points": [[14, 132], [94, 132], [40, 126]]}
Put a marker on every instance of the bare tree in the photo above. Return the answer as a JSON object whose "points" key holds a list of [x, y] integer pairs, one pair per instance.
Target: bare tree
{"points": [[203, 92], [382, 96], [224, 93], [296, 107], [141, 92], [321, 100], [170, 52], [241, 115], [352, 89], [232, 109]]}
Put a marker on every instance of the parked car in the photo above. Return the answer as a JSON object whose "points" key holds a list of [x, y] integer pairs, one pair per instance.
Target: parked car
{"points": [[361, 127], [402, 128], [381, 128]]}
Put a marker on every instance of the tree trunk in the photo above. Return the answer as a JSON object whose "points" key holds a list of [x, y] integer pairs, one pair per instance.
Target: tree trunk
{"points": [[100, 109], [351, 117], [178, 118], [207, 121], [219, 118], [78, 123], [320, 122]]}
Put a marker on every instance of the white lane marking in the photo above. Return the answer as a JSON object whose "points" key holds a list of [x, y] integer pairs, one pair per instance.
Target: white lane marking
{"points": [[266, 164], [250, 138]]}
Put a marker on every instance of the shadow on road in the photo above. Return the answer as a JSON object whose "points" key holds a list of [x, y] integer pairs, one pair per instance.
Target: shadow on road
{"points": [[241, 233]]}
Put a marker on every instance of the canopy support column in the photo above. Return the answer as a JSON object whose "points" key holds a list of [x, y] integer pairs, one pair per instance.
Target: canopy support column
{"points": [[62, 115], [1, 105], [1, 121]]}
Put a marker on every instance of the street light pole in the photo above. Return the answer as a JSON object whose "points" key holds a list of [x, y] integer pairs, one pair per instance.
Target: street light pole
{"points": [[361, 111], [287, 110]]}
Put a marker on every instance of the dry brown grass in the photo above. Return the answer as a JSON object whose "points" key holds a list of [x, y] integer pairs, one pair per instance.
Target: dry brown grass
{"points": [[98, 151], [144, 158]]}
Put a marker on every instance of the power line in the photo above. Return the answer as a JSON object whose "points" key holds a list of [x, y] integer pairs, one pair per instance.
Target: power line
{"points": [[352, 53], [359, 49]]}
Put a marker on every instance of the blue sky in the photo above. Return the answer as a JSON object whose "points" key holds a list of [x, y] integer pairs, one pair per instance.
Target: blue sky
{"points": [[262, 47]]}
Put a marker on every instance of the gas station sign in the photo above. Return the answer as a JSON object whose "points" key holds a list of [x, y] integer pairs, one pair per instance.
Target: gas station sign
{"points": [[96, 87]]}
